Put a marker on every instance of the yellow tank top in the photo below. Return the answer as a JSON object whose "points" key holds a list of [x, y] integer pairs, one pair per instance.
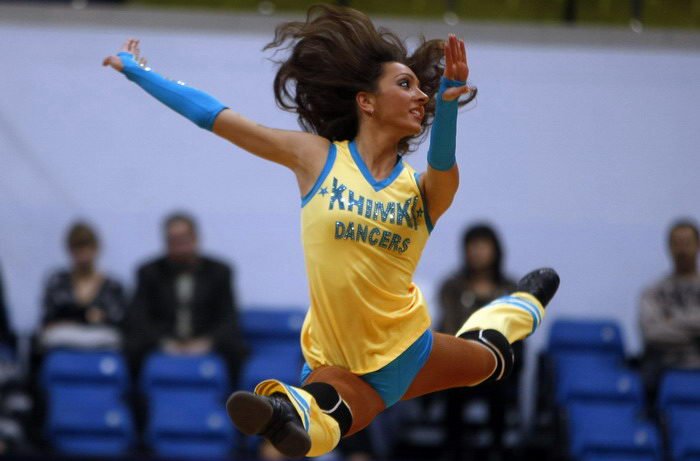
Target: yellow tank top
{"points": [[362, 240]]}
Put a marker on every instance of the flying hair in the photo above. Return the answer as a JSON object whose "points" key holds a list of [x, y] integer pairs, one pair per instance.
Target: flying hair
{"points": [[336, 53]]}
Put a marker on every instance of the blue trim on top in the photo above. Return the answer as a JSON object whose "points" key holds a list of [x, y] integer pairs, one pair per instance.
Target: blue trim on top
{"points": [[330, 160], [377, 185], [428, 221]]}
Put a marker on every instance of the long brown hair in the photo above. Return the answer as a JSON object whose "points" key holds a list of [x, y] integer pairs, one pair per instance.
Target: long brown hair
{"points": [[336, 53]]}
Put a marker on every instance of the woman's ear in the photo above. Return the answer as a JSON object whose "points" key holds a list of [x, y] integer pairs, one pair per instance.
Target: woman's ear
{"points": [[365, 102]]}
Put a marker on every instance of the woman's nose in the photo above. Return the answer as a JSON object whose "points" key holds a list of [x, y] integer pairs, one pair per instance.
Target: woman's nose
{"points": [[421, 96]]}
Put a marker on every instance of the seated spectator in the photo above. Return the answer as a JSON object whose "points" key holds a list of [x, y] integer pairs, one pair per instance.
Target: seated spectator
{"points": [[670, 310], [6, 335], [83, 307], [184, 302], [479, 281], [13, 399]]}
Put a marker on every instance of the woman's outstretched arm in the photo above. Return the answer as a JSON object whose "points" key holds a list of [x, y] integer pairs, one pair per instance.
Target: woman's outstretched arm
{"points": [[303, 153], [440, 181]]}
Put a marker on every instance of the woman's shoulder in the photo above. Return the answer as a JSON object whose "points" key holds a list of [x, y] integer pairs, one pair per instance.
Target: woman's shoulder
{"points": [[58, 277], [412, 172], [456, 279], [508, 284], [111, 282]]}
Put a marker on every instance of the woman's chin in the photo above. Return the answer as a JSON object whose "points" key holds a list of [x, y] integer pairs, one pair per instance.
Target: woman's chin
{"points": [[407, 131]]}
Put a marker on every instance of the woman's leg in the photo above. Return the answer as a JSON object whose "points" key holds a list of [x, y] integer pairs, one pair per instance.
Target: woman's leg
{"points": [[481, 350], [307, 420], [453, 362], [340, 403]]}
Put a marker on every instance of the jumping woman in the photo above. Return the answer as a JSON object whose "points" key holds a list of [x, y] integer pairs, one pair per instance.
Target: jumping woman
{"points": [[362, 101]]}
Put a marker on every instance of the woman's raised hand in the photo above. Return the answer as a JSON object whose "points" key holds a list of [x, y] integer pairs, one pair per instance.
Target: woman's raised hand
{"points": [[130, 46], [455, 67]]}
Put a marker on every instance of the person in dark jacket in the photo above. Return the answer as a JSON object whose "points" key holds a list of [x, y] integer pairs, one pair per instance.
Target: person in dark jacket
{"points": [[669, 311], [184, 302], [6, 334], [479, 281]]}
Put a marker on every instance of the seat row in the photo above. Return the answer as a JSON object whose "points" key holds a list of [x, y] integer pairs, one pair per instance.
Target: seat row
{"points": [[88, 393], [602, 401]]}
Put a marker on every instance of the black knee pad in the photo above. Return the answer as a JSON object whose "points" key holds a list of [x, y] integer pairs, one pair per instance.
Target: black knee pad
{"points": [[332, 404], [499, 345]]}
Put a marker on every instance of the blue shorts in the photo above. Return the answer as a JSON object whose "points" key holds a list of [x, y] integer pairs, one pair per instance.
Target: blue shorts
{"points": [[393, 380]]}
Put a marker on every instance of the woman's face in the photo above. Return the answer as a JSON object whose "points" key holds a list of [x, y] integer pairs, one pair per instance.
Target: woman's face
{"points": [[83, 256], [480, 254], [399, 101]]}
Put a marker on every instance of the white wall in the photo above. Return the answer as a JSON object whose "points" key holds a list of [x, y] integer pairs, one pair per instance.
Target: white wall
{"points": [[581, 155]]}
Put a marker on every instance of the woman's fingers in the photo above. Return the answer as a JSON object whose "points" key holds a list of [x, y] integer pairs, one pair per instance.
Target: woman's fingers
{"points": [[464, 66], [448, 60], [455, 59], [114, 62], [131, 45]]}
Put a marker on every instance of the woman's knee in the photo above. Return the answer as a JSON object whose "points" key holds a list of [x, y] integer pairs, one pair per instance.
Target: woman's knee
{"points": [[363, 401]]}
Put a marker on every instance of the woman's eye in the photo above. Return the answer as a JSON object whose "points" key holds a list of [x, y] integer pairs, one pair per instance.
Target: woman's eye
{"points": [[404, 83]]}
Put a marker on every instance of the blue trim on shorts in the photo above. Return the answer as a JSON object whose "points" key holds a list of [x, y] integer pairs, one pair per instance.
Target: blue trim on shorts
{"points": [[393, 380]]}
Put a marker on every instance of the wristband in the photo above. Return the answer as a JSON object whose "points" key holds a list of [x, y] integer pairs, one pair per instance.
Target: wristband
{"points": [[441, 153], [196, 105]]}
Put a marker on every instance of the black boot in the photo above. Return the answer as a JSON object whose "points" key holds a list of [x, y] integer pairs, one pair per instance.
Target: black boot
{"points": [[272, 417], [540, 283]]}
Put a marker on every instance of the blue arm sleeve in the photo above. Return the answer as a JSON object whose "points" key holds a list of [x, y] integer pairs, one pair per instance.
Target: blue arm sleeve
{"points": [[441, 153], [198, 106]]}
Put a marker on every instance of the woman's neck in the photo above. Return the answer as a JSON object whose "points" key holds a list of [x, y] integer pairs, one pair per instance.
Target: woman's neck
{"points": [[481, 275], [378, 149], [84, 272]]}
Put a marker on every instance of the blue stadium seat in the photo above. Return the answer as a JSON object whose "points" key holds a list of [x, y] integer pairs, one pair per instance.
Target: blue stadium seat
{"points": [[98, 368], [203, 372], [610, 429], [640, 457], [187, 423], [679, 387], [585, 335], [579, 361], [588, 384], [84, 392], [265, 323], [185, 399], [273, 336], [279, 361], [92, 421], [683, 427]]}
